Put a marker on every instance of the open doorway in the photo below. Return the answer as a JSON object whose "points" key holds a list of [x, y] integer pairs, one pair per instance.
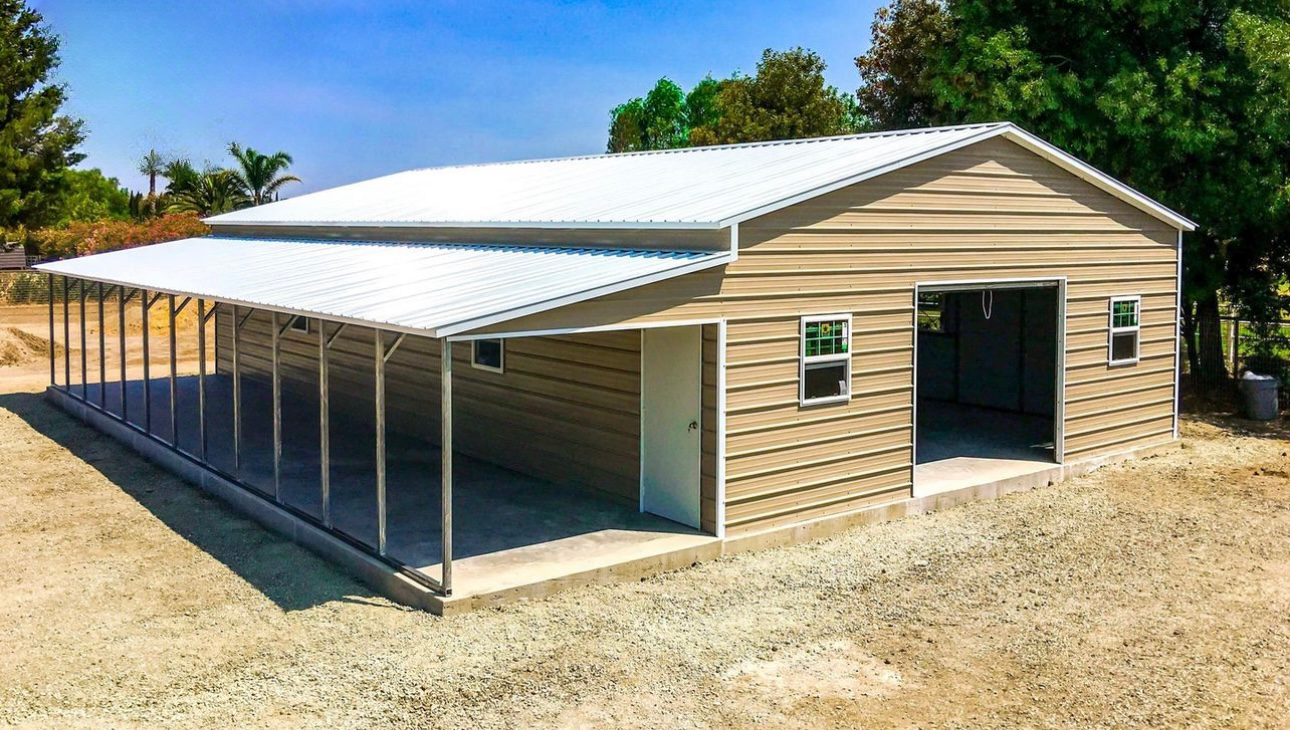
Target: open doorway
{"points": [[988, 368]]}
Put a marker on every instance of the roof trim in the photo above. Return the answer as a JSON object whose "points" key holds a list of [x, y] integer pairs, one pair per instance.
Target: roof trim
{"points": [[499, 225], [694, 262]]}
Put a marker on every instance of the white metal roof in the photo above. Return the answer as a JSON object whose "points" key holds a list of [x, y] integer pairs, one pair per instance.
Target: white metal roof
{"points": [[432, 289], [698, 187]]}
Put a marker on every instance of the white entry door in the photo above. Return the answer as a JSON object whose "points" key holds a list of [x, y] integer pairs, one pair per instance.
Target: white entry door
{"points": [[671, 364]]}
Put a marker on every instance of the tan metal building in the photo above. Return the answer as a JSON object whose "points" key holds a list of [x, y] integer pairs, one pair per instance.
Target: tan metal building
{"points": [[707, 349]]}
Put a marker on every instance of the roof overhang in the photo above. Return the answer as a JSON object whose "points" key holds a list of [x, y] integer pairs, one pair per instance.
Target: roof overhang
{"points": [[428, 289]]}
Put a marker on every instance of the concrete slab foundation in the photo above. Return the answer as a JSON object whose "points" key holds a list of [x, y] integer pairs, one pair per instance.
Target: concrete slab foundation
{"points": [[606, 554]]}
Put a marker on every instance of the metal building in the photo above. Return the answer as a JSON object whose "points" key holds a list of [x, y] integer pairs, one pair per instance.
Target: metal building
{"points": [[585, 368]]}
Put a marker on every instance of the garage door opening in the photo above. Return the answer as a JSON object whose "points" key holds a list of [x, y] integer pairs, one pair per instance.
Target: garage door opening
{"points": [[988, 377]]}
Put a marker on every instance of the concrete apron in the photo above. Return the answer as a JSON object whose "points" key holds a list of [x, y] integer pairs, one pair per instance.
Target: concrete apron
{"points": [[628, 564]]}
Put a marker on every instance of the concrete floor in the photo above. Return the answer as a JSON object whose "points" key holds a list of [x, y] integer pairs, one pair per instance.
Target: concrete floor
{"points": [[966, 446], [509, 529]]}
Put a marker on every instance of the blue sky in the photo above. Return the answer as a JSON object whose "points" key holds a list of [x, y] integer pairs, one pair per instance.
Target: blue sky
{"points": [[357, 89]]}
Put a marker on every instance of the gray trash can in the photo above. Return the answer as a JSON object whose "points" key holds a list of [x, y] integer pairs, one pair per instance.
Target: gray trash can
{"points": [[1259, 396]]}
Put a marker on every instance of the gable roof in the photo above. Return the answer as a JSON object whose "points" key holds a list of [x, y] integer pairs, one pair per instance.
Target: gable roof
{"points": [[688, 188]]}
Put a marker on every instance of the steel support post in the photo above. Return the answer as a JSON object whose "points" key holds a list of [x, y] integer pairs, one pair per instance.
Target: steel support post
{"points": [[174, 380], [147, 357], [445, 454], [67, 335], [53, 362], [324, 425], [102, 355], [380, 439], [277, 406], [237, 393], [201, 379], [120, 314], [80, 296]]}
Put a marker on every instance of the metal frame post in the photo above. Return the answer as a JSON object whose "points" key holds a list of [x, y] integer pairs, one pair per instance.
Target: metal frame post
{"points": [[67, 335], [174, 380], [324, 425], [237, 394], [277, 407], [147, 356], [120, 311], [102, 355], [380, 439], [445, 453], [201, 377], [80, 297], [53, 361]]}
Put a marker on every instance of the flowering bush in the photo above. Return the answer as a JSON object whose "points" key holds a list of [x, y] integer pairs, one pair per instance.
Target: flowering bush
{"points": [[81, 238]]}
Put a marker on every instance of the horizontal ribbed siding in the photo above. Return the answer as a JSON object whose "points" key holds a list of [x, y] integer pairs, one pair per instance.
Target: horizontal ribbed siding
{"points": [[567, 409]]}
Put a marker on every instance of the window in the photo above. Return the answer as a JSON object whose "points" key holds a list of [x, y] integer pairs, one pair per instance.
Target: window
{"points": [[1125, 327], [488, 354], [825, 366], [931, 312], [300, 324]]}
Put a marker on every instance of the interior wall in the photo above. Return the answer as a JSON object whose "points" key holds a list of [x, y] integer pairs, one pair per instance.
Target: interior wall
{"points": [[998, 349]]}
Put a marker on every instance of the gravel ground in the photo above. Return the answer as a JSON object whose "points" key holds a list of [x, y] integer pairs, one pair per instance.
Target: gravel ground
{"points": [[1155, 593]]}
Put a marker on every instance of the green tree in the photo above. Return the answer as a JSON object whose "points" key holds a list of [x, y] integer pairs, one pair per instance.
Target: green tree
{"points": [[1184, 100], [260, 175], [37, 143], [180, 174], [787, 99], [90, 196], [214, 191], [152, 165]]}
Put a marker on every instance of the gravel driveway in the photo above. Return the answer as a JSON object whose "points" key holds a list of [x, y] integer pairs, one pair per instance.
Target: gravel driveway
{"points": [[1154, 593]]}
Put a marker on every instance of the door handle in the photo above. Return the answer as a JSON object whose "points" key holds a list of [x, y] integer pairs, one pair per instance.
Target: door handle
{"points": [[694, 425]]}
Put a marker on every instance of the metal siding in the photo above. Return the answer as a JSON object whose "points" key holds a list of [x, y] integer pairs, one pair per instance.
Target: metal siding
{"points": [[426, 288], [786, 463], [566, 409]]}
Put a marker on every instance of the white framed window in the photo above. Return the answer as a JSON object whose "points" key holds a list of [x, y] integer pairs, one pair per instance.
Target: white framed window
{"points": [[1126, 324], [824, 369], [489, 354], [300, 324]]}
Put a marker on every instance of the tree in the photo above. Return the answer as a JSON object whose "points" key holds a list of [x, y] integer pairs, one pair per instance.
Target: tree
{"points": [[787, 99], [215, 191], [36, 142], [1184, 100], [90, 196], [180, 174], [656, 122], [152, 165], [258, 174]]}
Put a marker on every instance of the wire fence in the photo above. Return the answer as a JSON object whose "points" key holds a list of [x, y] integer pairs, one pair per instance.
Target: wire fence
{"points": [[1262, 348], [26, 286]]}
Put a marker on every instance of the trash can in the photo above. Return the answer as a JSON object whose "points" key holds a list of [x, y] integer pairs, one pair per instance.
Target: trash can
{"points": [[1259, 396]]}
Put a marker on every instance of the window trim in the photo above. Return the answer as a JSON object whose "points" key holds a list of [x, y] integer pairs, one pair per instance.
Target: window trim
{"points": [[501, 349], [803, 361], [1112, 330]]}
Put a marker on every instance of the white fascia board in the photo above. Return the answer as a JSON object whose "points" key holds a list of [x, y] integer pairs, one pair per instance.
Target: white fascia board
{"points": [[708, 262], [581, 225]]}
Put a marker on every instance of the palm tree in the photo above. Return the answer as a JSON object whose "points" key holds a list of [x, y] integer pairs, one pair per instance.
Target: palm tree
{"points": [[259, 174], [215, 191], [151, 165]]}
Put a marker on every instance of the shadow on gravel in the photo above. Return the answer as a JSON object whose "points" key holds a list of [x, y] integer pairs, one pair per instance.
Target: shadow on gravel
{"points": [[1275, 430], [290, 576]]}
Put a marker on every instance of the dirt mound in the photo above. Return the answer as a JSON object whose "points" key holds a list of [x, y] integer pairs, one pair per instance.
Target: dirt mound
{"points": [[20, 347]]}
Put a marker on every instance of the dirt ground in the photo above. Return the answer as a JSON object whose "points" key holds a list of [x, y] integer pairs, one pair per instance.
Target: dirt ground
{"points": [[1155, 593]]}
